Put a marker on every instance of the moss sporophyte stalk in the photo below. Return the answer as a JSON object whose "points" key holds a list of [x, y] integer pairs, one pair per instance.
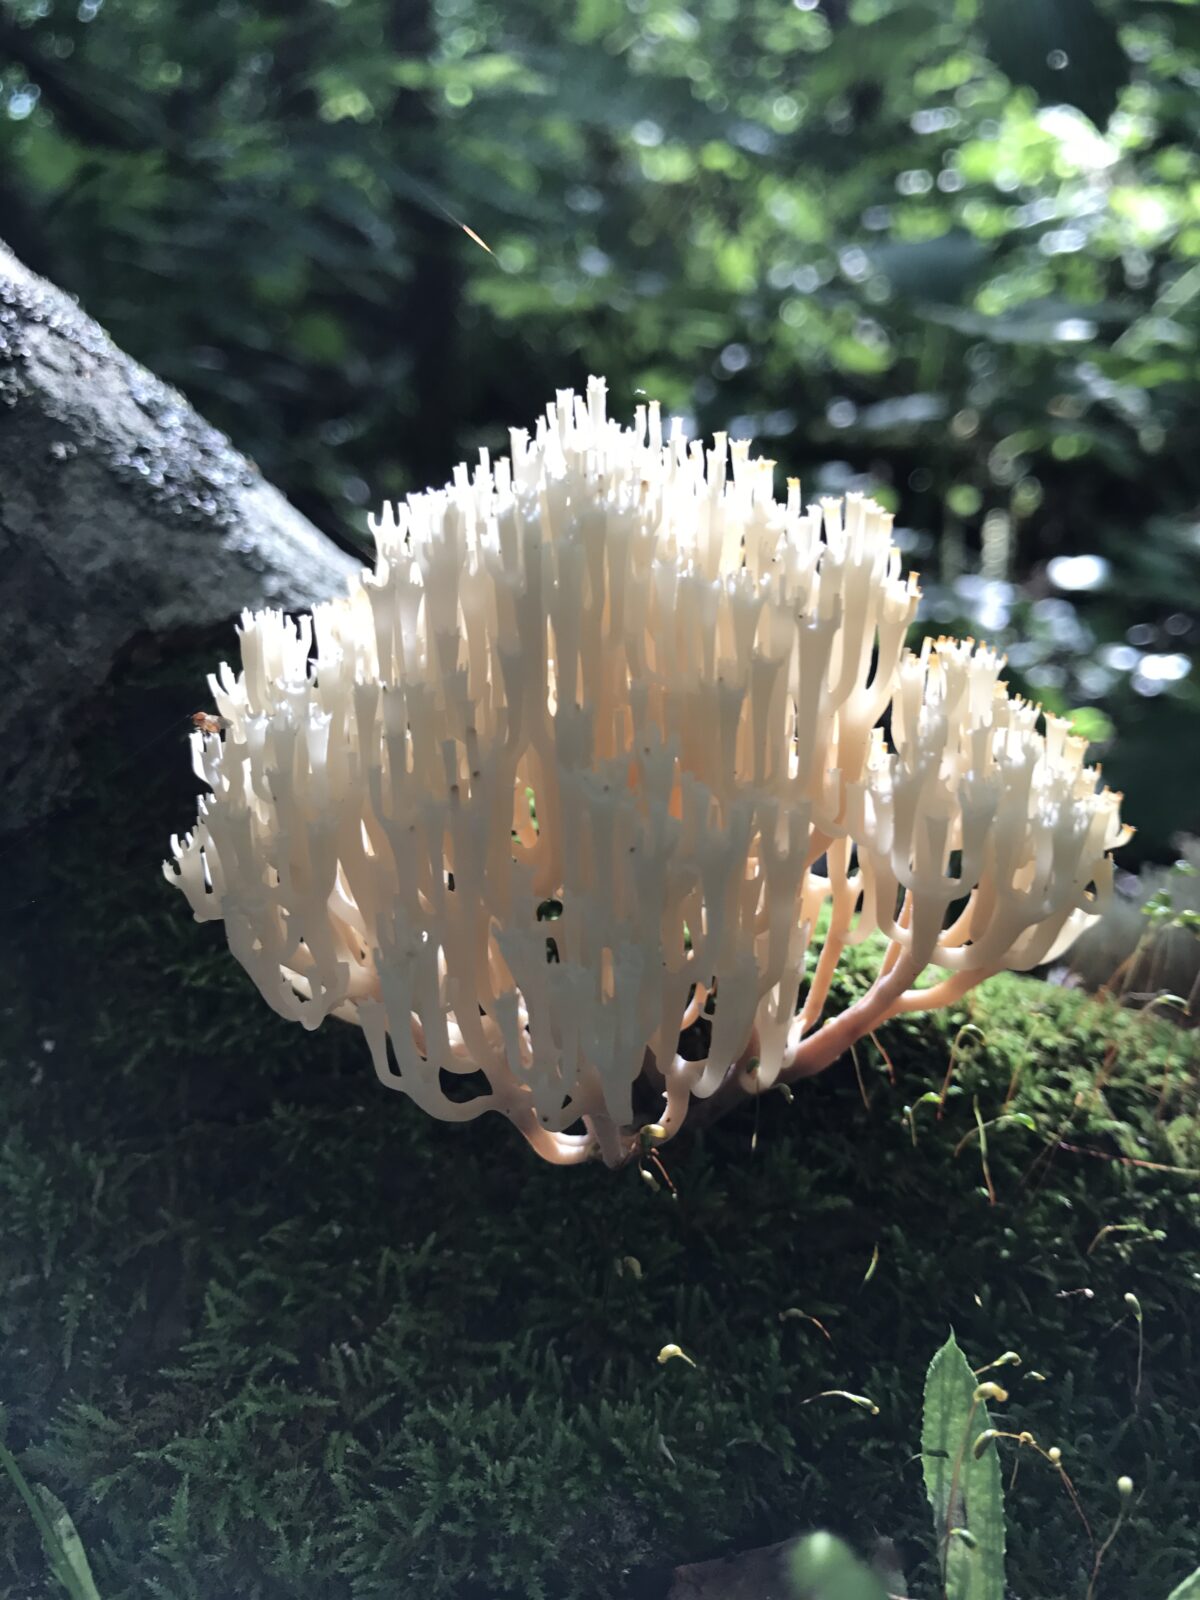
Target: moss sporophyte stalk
{"points": [[615, 672]]}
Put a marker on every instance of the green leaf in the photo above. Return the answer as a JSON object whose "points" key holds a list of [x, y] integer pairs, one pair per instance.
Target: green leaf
{"points": [[932, 270], [63, 1547], [1189, 1589], [80, 1585], [1046, 321], [964, 1492], [823, 1568]]}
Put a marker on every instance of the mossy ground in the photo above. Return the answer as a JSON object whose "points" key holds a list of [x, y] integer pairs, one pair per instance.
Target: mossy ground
{"points": [[270, 1332]]}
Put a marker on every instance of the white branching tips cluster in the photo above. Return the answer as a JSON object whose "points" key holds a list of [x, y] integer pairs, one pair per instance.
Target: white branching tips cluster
{"points": [[580, 764]]}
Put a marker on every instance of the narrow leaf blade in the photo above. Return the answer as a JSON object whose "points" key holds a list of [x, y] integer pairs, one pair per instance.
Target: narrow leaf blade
{"points": [[964, 1493]]}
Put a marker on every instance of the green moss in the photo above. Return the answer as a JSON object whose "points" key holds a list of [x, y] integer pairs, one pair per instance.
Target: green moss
{"points": [[271, 1332]]}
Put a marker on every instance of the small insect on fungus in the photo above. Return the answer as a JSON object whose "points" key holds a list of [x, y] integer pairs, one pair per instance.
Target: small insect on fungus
{"points": [[207, 722]]}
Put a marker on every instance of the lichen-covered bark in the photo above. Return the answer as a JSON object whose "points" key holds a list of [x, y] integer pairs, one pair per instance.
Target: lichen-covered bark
{"points": [[122, 513]]}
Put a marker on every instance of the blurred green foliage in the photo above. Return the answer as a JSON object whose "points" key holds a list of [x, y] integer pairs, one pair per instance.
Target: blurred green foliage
{"points": [[946, 251]]}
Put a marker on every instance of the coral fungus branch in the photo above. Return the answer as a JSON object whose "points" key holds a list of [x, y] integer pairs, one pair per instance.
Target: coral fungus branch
{"points": [[582, 763]]}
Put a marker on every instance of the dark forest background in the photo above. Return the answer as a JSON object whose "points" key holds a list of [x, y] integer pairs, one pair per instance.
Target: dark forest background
{"points": [[949, 252]]}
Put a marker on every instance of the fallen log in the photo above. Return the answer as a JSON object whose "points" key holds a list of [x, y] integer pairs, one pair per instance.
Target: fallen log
{"points": [[123, 514]]}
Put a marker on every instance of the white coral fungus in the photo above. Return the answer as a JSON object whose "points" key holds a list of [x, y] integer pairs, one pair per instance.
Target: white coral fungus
{"points": [[615, 678]]}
